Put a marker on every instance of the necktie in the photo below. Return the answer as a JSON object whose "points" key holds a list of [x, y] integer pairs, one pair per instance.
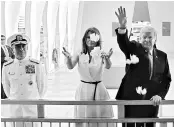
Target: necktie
{"points": [[150, 56]]}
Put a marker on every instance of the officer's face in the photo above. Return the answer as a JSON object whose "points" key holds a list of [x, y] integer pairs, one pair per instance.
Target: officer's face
{"points": [[147, 39], [20, 51]]}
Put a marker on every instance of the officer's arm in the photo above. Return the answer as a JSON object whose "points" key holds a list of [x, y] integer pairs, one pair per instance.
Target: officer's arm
{"points": [[5, 81], [41, 80]]}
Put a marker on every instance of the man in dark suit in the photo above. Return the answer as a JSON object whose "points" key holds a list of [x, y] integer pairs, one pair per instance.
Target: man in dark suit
{"points": [[148, 76], [6, 54]]}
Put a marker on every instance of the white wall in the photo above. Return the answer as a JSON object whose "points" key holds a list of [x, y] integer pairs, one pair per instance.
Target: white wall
{"points": [[101, 14], [161, 11]]}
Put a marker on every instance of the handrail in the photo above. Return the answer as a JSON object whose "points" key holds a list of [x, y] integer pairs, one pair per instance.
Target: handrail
{"points": [[107, 102], [121, 111], [90, 120]]}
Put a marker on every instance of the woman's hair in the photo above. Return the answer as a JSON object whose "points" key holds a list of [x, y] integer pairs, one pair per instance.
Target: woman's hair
{"points": [[90, 30]]}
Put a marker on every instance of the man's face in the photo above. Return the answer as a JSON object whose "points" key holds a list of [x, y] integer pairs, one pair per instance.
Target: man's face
{"points": [[147, 39], [20, 51], [3, 40]]}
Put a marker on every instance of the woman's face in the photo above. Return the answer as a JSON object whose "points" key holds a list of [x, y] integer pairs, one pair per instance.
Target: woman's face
{"points": [[90, 42]]}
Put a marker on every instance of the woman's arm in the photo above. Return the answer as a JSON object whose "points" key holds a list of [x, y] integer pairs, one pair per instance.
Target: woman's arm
{"points": [[106, 59], [107, 63], [72, 61]]}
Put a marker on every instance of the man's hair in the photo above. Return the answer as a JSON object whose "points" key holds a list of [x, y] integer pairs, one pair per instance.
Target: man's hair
{"points": [[149, 29]]}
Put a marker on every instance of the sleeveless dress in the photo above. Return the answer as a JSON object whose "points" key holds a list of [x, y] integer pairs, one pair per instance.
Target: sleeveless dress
{"points": [[92, 72]]}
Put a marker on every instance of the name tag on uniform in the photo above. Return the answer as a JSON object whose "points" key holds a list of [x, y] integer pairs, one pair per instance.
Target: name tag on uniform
{"points": [[30, 69], [11, 73]]}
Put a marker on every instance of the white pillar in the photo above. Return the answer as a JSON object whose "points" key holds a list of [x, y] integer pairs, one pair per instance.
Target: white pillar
{"points": [[12, 10], [73, 26], [77, 38], [57, 40], [51, 24], [62, 27], [45, 35], [28, 25], [3, 18], [35, 20]]}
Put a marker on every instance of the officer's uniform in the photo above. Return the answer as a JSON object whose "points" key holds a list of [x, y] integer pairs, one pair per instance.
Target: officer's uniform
{"points": [[23, 79]]}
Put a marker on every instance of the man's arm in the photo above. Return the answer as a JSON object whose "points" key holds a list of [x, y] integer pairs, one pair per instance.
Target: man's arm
{"points": [[122, 38], [166, 80], [2, 56], [123, 41], [5, 81]]}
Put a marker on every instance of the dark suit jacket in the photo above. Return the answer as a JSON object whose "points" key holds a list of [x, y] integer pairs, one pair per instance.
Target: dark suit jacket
{"points": [[139, 75], [11, 54]]}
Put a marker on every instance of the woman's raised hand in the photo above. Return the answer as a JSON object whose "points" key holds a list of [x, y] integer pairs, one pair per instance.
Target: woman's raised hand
{"points": [[66, 53], [107, 55]]}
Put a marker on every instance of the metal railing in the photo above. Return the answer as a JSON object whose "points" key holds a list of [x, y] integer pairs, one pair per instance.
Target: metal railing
{"points": [[121, 118]]}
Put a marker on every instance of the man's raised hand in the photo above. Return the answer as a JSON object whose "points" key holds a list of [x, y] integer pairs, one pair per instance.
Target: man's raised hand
{"points": [[121, 15]]}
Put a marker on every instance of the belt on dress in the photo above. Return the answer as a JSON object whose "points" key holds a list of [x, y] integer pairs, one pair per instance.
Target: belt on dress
{"points": [[95, 83]]}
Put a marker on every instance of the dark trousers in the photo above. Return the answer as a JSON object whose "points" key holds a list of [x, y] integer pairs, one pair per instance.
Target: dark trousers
{"points": [[3, 95], [140, 111]]}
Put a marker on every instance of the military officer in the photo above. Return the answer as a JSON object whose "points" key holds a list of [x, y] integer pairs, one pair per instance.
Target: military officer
{"points": [[23, 78]]}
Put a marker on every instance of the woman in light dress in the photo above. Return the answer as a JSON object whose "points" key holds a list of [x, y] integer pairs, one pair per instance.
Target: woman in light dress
{"points": [[91, 63]]}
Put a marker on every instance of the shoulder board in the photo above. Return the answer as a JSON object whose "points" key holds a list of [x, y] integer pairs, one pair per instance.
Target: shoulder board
{"points": [[8, 62], [34, 61]]}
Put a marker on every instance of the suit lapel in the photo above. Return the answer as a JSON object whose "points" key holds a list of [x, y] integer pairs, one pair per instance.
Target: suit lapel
{"points": [[155, 61], [2, 52]]}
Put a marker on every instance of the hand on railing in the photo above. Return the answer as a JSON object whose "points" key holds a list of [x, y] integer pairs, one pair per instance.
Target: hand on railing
{"points": [[156, 100]]}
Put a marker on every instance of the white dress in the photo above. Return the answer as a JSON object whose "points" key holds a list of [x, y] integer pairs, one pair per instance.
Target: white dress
{"points": [[92, 72]]}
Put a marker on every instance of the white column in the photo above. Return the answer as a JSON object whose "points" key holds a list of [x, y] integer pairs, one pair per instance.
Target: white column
{"points": [[57, 40], [45, 35], [77, 37], [74, 11], [35, 20], [28, 25], [3, 18], [65, 42], [12, 10], [51, 24], [62, 27]]}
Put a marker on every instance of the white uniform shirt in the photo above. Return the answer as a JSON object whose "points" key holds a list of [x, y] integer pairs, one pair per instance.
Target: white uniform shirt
{"points": [[23, 79]]}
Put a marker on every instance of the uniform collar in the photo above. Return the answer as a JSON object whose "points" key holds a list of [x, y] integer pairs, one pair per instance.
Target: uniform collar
{"points": [[21, 61]]}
